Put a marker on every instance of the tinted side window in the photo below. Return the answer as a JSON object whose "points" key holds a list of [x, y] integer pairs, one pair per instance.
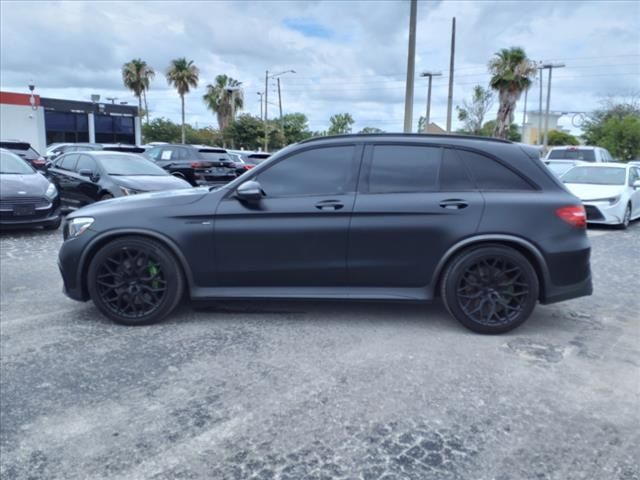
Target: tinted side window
{"points": [[321, 171], [85, 162], [454, 176], [491, 175], [68, 162], [633, 175], [403, 168]]}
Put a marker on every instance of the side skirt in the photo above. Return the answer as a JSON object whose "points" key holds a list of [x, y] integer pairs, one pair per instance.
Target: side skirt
{"points": [[314, 293]]}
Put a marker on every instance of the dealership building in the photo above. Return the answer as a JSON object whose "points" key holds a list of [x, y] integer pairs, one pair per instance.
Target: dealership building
{"points": [[42, 121]]}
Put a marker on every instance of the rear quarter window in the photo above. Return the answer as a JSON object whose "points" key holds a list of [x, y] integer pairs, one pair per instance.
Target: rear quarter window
{"points": [[492, 175]]}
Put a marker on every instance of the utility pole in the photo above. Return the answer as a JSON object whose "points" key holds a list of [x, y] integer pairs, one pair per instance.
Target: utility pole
{"points": [[266, 102], [430, 75], [260, 94], [411, 68], [279, 99], [524, 114], [451, 63], [550, 66], [539, 142]]}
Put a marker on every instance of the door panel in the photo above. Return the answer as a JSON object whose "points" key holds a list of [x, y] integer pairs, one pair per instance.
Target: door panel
{"points": [[296, 235], [86, 189], [397, 238]]}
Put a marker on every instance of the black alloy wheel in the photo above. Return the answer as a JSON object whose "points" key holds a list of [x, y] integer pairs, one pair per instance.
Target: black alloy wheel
{"points": [[490, 289], [135, 281]]}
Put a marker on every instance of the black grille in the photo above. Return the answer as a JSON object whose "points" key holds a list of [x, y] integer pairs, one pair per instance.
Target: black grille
{"points": [[593, 213], [8, 203]]}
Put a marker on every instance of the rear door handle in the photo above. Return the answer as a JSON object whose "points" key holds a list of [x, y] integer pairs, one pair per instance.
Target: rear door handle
{"points": [[329, 205], [454, 204]]}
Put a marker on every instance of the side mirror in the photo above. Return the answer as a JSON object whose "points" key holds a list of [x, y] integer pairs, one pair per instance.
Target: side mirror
{"points": [[636, 185], [250, 191], [93, 176]]}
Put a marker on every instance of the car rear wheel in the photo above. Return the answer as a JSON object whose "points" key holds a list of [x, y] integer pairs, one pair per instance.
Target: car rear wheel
{"points": [[490, 289], [135, 281]]}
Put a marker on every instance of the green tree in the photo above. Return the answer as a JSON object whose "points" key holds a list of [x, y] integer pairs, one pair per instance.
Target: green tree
{"points": [[615, 127], [224, 98], [472, 113], [489, 128], [161, 130], [136, 76], [183, 75], [511, 74], [340, 123], [203, 136], [558, 137], [246, 132], [371, 130], [295, 128]]}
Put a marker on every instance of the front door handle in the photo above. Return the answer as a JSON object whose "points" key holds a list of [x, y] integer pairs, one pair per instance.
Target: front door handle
{"points": [[329, 205], [454, 204]]}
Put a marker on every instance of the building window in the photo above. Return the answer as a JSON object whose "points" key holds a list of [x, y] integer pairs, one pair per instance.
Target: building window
{"points": [[66, 127], [114, 129]]}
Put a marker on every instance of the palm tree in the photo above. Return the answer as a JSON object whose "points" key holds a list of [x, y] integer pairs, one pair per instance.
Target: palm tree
{"points": [[136, 76], [224, 98], [182, 74], [511, 72]]}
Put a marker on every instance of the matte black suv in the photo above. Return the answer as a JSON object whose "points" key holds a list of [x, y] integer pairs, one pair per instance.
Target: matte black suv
{"points": [[198, 165], [479, 222]]}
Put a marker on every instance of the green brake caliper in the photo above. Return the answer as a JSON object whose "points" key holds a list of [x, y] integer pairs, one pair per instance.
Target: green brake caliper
{"points": [[153, 272]]}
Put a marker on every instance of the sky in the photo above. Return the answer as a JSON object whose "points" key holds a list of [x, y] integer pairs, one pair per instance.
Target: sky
{"points": [[349, 56]]}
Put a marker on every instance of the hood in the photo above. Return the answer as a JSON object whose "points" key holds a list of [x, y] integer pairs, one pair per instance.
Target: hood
{"points": [[151, 183], [155, 200], [586, 191], [32, 184]]}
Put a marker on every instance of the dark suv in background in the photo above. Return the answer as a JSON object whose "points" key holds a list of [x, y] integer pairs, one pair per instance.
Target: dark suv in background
{"points": [[25, 151], [198, 165], [479, 222]]}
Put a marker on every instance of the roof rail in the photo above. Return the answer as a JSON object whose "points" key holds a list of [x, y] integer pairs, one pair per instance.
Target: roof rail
{"points": [[410, 135]]}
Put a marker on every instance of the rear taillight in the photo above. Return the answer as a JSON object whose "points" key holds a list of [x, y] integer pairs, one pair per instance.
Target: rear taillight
{"points": [[574, 215], [39, 161], [196, 165], [248, 167]]}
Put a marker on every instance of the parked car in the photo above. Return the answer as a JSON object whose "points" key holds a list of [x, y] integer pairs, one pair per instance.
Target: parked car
{"points": [[610, 192], [560, 167], [89, 147], [241, 167], [86, 177], [635, 162], [27, 198], [375, 217], [581, 153], [254, 158], [197, 164], [26, 151]]}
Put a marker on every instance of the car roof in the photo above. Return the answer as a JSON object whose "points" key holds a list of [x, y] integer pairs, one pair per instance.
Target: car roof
{"points": [[574, 147], [404, 137], [108, 153], [603, 164]]}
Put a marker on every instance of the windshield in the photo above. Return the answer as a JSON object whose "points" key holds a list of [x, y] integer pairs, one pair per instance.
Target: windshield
{"points": [[12, 164], [219, 155], [596, 176], [129, 165], [573, 154]]}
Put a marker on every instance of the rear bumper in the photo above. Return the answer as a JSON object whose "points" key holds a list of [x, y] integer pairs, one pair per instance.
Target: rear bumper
{"points": [[555, 293]]}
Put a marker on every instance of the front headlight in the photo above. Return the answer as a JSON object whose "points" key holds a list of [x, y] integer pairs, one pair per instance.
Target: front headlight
{"points": [[77, 226], [52, 191], [129, 191]]}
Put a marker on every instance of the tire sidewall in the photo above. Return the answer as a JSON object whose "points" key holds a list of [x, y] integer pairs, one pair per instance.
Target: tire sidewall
{"points": [[464, 260], [168, 264]]}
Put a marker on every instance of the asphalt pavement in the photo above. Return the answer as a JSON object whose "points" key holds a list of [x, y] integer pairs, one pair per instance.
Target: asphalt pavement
{"points": [[307, 390]]}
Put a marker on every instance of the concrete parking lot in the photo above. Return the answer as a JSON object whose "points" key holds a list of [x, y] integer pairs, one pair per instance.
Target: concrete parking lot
{"points": [[317, 390]]}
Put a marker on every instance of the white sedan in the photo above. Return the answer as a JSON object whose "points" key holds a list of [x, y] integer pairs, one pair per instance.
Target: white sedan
{"points": [[610, 192]]}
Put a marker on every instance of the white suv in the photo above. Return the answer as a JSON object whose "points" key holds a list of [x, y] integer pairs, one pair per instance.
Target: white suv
{"points": [[581, 153]]}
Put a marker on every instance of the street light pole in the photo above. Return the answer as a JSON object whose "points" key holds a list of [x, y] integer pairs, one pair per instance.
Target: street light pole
{"points": [[550, 66], [260, 94], [411, 68], [540, 109], [430, 75], [279, 99], [451, 64], [266, 101]]}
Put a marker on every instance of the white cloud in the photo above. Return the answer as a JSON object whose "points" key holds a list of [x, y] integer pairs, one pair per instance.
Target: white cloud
{"points": [[73, 49]]}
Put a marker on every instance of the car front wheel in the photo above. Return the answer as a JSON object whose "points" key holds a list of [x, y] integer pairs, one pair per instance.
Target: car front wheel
{"points": [[490, 289], [135, 280]]}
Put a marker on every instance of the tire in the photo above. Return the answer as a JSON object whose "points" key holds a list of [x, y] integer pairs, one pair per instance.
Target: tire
{"points": [[135, 280], [490, 289], [53, 225], [626, 220]]}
